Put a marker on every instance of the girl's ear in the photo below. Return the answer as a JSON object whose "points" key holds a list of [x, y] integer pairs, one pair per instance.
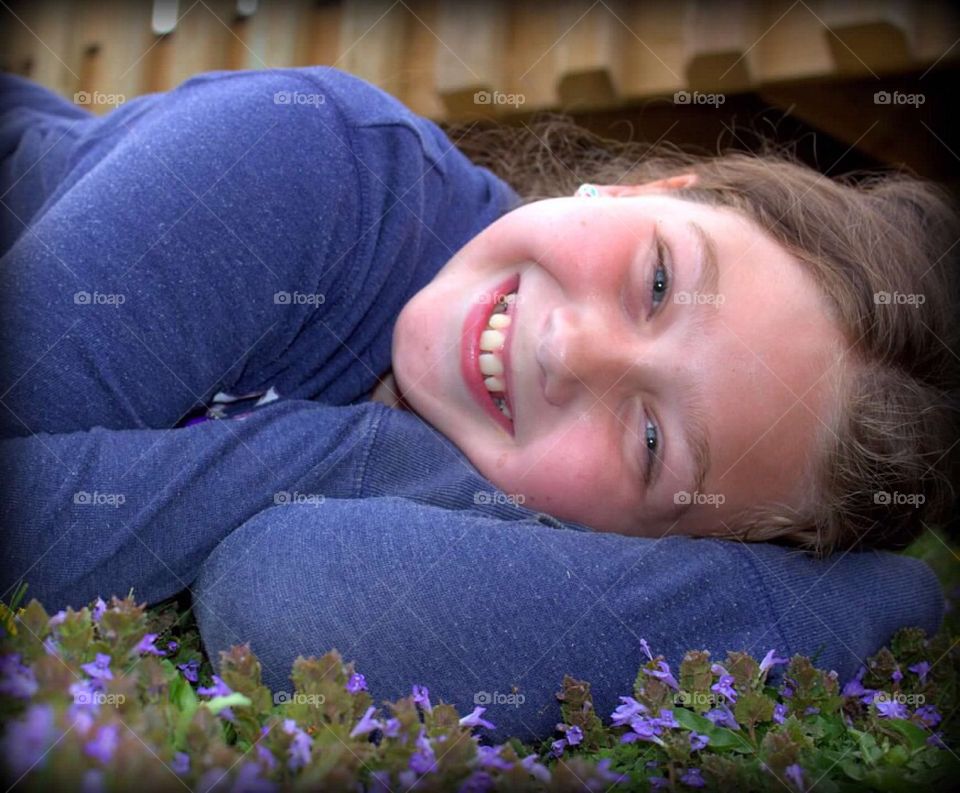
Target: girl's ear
{"points": [[666, 184]]}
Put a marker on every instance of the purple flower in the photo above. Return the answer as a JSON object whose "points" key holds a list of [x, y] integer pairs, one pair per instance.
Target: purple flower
{"points": [[424, 760], [99, 668], [248, 780], [786, 690], [218, 689], [897, 675], [666, 720], [477, 782], [190, 670], [356, 683], [475, 720], [50, 646], [299, 752], [180, 763], [367, 723], [853, 688], [642, 728], [811, 711], [779, 713], [627, 711], [937, 740], [58, 618], [722, 717], [538, 770], [489, 757], [83, 719], [16, 680], [921, 669], [928, 715], [266, 756], [663, 673], [98, 608], [556, 748], [84, 692], [391, 728], [771, 659], [890, 708], [104, 745], [421, 697], [574, 735], [724, 687], [27, 740], [407, 778], [147, 646], [658, 782], [692, 778], [698, 741], [173, 646], [646, 649], [795, 774]]}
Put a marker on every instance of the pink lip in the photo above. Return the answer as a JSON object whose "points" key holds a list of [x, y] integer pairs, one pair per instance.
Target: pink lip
{"points": [[473, 326]]}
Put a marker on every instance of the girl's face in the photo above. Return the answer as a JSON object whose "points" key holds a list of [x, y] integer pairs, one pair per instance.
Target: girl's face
{"points": [[663, 363]]}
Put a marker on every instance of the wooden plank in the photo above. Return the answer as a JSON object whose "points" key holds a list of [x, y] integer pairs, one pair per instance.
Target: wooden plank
{"points": [[590, 53], [419, 60], [720, 46], [937, 28], [470, 63], [655, 56], [108, 43], [372, 34], [870, 37], [791, 44], [318, 39], [529, 64], [35, 42]]}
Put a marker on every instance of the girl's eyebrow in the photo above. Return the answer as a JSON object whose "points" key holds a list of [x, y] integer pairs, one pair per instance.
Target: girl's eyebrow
{"points": [[707, 260]]}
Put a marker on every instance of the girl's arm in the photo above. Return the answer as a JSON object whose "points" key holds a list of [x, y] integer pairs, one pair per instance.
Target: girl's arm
{"points": [[244, 230], [102, 511], [479, 608]]}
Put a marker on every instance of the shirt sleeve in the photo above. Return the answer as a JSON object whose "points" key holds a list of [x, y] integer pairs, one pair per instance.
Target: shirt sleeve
{"points": [[479, 608], [102, 511]]}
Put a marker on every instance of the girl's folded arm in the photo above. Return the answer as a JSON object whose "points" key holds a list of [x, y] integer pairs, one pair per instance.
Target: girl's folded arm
{"points": [[99, 512], [480, 608]]}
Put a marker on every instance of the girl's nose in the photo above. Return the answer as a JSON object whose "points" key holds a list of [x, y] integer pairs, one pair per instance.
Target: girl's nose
{"points": [[584, 350]]}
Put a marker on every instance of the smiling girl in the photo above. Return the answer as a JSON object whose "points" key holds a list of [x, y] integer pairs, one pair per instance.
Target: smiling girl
{"points": [[603, 356]]}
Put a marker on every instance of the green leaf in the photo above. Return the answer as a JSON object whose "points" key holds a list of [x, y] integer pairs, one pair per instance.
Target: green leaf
{"points": [[217, 704], [916, 736], [721, 738]]}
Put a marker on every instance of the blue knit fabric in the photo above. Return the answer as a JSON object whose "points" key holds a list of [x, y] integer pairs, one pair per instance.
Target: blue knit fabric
{"points": [[321, 519]]}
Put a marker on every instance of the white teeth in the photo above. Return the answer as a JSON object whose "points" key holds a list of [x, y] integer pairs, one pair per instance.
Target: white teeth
{"points": [[510, 298], [490, 364], [498, 321], [505, 410], [493, 383], [491, 340]]}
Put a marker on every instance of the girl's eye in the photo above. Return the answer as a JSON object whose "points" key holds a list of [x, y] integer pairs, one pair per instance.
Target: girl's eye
{"points": [[652, 440], [661, 278]]}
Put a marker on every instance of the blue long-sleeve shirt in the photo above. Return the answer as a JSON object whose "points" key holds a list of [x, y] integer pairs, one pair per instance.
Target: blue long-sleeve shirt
{"points": [[177, 219]]}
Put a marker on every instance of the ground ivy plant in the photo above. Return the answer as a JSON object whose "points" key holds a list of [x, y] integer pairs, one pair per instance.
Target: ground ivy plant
{"points": [[117, 697]]}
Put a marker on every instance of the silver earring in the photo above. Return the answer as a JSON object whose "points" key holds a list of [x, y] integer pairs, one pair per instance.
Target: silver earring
{"points": [[587, 191]]}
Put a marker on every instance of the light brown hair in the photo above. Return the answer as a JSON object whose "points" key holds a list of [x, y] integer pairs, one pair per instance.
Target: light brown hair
{"points": [[874, 242]]}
